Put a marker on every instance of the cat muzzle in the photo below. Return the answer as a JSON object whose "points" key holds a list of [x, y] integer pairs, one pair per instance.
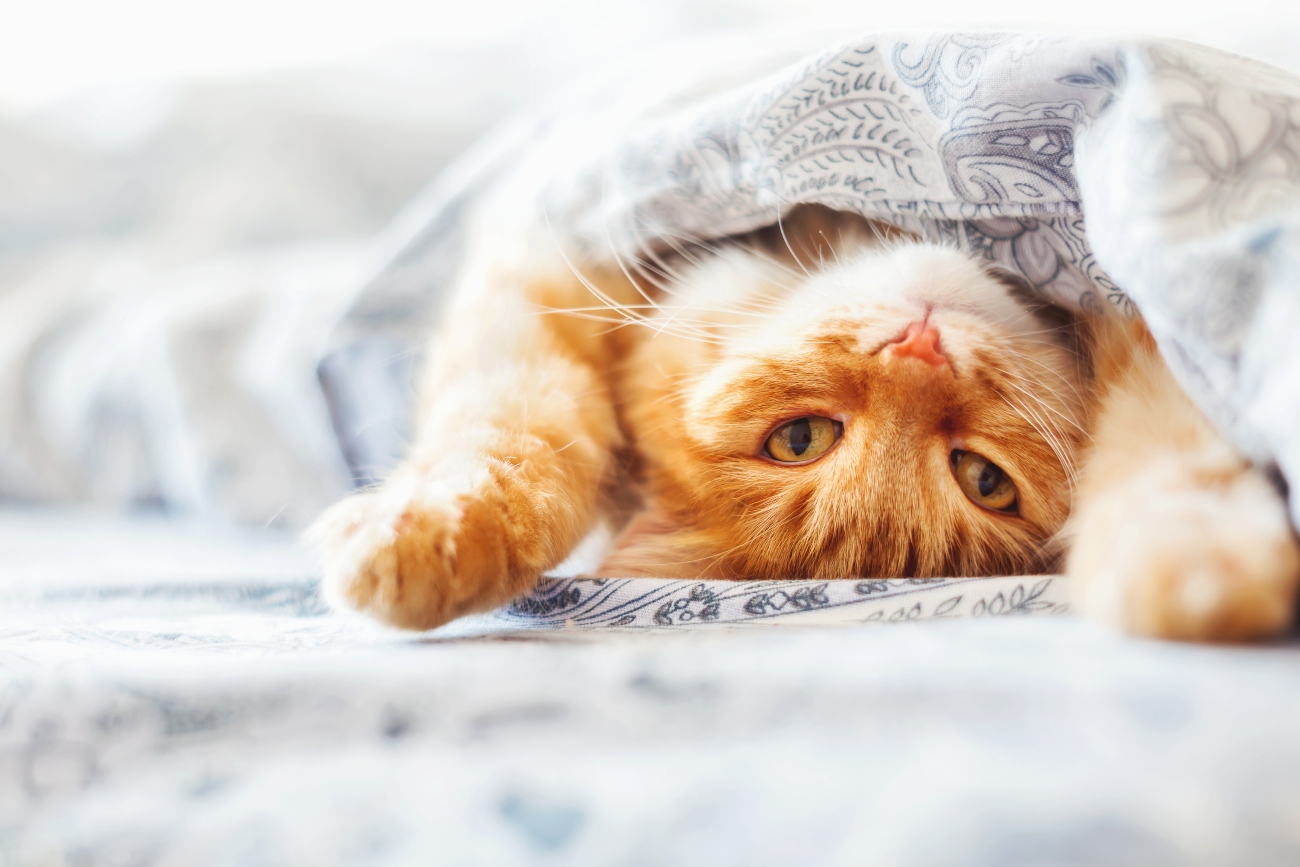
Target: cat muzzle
{"points": [[919, 341]]}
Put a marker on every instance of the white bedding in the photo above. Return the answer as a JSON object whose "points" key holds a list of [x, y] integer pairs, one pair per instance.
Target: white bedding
{"points": [[171, 694]]}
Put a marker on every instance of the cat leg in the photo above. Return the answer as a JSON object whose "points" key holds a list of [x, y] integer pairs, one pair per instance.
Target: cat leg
{"points": [[513, 437], [1174, 534]]}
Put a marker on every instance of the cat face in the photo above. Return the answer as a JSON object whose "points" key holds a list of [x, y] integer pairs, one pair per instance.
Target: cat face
{"points": [[898, 412]]}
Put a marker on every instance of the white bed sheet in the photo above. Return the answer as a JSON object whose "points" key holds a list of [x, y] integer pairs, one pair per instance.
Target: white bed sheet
{"points": [[176, 694]]}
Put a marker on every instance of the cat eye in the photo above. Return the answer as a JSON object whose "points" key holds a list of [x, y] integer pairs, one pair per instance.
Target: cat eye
{"points": [[803, 439], [984, 482]]}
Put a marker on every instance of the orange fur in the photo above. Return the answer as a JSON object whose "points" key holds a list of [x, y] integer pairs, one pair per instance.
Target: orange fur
{"points": [[546, 376], [882, 502], [1173, 534]]}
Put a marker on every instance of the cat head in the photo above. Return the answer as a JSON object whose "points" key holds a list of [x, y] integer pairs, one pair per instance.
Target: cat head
{"points": [[897, 411]]}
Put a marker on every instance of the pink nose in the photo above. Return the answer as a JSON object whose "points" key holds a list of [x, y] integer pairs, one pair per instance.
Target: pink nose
{"points": [[919, 341]]}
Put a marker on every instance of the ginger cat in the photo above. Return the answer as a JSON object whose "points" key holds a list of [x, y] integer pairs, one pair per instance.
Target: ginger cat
{"points": [[829, 399]]}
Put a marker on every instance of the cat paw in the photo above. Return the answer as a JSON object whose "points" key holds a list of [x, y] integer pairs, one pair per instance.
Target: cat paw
{"points": [[412, 558], [1192, 563]]}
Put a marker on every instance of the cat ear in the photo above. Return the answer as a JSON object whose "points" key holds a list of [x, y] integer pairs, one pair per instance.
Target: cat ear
{"points": [[656, 544]]}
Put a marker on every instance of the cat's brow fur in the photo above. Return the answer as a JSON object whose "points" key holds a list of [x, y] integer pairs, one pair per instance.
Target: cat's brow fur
{"points": [[559, 390]]}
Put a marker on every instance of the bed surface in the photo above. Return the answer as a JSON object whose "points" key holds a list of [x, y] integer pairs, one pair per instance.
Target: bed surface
{"points": [[177, 694]]}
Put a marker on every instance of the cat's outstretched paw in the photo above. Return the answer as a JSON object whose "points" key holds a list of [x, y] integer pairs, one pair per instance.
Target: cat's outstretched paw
{"points": [[410, 557], [1197, 563]]}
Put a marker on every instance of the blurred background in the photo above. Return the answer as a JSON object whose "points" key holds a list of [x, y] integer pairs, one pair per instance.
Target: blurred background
{"points": [[192, 192]]}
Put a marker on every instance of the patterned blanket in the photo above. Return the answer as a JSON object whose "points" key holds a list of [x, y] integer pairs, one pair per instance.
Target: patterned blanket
{"points": [[1160, 175]]}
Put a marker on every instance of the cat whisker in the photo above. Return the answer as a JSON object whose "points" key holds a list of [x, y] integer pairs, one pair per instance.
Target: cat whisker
{"points": [[749, 263], [1046, 407], [1027, 374], [780, 225], [611, 303], [1053, 438], [714, 249], [613, 247], [1042, 365], [1031, 376]]}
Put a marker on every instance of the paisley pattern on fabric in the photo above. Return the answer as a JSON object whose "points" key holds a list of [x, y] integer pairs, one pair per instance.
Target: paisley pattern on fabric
{"points": [[1150, 175]]}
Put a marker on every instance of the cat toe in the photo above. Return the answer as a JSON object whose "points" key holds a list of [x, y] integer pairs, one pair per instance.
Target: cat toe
{"points": [[1196, 565], [392, 559]]}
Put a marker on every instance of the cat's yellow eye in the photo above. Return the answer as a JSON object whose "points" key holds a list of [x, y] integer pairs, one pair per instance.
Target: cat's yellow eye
{"points": [[802, 440], [984, 481]]}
